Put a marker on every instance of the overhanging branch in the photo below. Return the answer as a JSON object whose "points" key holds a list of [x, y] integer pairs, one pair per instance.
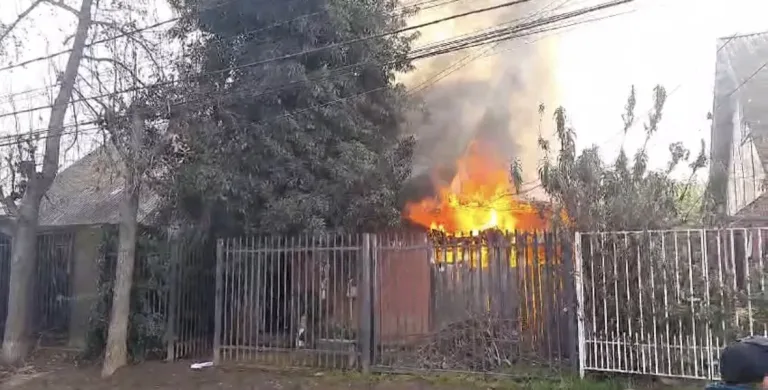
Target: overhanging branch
{"points": [[122, 31], [8, 203], [64, 6], [119, 64], [18, 20]]}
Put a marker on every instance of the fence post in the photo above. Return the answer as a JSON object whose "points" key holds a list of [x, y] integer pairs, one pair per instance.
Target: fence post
{"points": [[366, 309], [218, 309], [572, 261], [173, 298], [577, 318]]}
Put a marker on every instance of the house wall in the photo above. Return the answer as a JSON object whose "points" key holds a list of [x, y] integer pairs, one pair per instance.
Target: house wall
{"points": [[84, 281], [745, 172]]}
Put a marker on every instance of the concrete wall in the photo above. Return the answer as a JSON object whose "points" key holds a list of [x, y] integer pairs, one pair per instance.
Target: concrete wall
{"points": [[84, 282]]}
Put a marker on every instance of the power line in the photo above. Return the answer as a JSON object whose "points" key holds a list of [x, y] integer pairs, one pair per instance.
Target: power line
{"points": [[104, 40], [469, 58], [294, 55], [498, 35], [404, 9], [294, 112], [747, 80]]}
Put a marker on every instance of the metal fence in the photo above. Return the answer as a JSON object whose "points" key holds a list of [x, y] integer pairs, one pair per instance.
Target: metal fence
{"points": [[192, 286], [172, 296], [50, 312], [172, 299], [52, 307], [407, 302], [494, 303], [666, 302], [288, 301]]}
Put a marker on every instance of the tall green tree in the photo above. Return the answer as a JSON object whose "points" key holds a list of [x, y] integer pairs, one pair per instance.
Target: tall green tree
{"points": [[312, 142], [623, 194]]}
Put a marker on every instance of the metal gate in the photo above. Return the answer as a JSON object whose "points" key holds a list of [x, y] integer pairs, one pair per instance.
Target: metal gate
{"points": [[666, 303], [493, 304]]}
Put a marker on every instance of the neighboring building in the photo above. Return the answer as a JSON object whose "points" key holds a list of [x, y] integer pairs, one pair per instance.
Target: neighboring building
{"points": [[739, 149], [88, 193], [83, 199]]}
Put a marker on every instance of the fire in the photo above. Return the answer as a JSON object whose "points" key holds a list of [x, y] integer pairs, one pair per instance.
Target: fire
{"points": [[480, 196]]}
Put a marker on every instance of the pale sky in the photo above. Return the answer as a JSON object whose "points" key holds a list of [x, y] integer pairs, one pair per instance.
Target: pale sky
{"points": [[668, 42]]}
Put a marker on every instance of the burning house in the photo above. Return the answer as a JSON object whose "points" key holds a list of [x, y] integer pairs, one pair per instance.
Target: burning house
{"points": [[489, 255], [479, 197]]}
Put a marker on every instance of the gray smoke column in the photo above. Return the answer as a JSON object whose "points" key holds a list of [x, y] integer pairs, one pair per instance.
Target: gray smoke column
{"points": [[493, 98]]}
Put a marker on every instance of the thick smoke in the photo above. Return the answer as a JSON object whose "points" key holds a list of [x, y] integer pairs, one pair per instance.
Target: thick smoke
{"points": [[494, 98]]}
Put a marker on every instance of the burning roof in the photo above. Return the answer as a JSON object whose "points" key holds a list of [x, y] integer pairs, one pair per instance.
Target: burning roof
{"points": [[480, 196]]}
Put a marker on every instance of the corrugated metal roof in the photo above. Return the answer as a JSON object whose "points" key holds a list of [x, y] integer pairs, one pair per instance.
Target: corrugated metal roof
{"points": [[88, 193]]}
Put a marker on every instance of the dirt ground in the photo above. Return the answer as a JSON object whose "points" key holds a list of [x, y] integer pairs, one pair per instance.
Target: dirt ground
{"points": [[58, 372], [162, 376]]}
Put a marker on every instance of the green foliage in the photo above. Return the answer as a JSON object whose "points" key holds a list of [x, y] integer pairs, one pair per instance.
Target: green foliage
{"points": [[624, 194], [146, 324], [307, 143]]}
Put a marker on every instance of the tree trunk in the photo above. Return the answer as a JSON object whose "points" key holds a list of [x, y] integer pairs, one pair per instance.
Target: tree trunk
{"points": [[24, 254], [21, 289], [117, 338]]}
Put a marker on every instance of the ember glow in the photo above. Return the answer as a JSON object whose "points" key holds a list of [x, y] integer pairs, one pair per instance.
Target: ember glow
{"points": [[481, 196]]}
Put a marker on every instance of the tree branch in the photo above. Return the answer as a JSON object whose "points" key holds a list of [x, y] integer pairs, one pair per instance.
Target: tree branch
{"points": [[18, 20], [8, 203], [64, 6], [131, 36], [118, 64]]}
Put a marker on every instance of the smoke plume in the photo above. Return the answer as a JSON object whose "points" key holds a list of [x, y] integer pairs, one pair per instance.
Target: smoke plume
{"points": [[493, 98]]}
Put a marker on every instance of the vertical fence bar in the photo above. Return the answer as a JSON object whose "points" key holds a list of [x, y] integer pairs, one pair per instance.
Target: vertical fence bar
{"points": [[170, 326], [579, 349], [747, 280], [218, 301], [365, 291], [707, 302]]}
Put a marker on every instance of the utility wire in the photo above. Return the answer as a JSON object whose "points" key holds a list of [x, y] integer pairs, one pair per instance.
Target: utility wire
{"points": [[44, 130], [469, 58], [497, 35], [416, 6], [282, 87], [743, 83], [294, 55], [138, 30]]}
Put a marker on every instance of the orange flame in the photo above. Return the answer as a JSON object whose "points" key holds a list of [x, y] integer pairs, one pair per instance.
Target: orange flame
{"points": [[481, 196]]}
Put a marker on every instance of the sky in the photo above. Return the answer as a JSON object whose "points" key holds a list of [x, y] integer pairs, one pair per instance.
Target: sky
{"points": [[667, 42]]}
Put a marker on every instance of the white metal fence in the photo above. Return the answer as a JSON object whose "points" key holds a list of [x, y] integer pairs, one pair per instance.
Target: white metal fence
{"points": [[666, 302]]}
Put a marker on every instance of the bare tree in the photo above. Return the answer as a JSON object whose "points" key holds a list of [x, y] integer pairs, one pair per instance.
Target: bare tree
{"points": [[87, 69], [26, 209], [126, 121]]}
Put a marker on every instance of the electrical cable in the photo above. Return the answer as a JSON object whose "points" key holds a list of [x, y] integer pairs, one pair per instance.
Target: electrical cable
{"points": [[42, 131], [304, 52], [414, 6]]}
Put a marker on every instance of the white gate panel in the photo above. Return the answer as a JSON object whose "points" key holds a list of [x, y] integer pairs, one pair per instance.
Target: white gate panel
{"points": [[665, 303]]}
